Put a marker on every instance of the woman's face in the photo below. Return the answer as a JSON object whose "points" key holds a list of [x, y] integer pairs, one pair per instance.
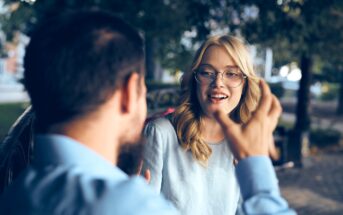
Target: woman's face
{"points": [[218, 94]]}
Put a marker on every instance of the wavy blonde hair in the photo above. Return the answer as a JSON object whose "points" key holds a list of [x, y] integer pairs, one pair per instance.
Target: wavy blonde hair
{"points": [[187, 117]]}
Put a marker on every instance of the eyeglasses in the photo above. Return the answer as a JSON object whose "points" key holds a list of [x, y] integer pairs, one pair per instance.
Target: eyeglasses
{"points": [[232, 78]]}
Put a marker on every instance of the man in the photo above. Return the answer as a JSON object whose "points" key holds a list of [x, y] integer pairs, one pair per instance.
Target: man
{"points": [[84, 74]]}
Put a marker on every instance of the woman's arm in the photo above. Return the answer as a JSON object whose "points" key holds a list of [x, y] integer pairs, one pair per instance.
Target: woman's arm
{"points": [[153, 155]]}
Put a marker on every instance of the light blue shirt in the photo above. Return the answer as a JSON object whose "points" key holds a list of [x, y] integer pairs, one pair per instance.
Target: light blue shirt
{"points": [[259, 187], [68, 178]]}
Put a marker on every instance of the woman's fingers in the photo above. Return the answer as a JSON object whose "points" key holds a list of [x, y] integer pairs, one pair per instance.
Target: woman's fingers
{"points": [[147, 175]]}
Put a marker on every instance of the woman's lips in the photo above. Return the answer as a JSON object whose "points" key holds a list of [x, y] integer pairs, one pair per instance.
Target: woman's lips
{"points": [[217, 97]]}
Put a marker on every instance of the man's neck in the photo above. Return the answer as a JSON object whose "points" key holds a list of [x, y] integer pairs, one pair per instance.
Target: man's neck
{"points": [[97, 135]]}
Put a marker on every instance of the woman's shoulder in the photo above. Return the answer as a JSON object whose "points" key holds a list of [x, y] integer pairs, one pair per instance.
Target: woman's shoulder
{"points": [[161, 131], [163, 122], [161, 126]]}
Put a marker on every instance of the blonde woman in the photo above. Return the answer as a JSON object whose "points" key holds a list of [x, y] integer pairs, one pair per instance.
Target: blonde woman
{"points": [[188, 157]]}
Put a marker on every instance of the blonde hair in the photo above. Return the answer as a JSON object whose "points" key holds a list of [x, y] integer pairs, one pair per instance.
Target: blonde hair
{"points": [[188, 114]]}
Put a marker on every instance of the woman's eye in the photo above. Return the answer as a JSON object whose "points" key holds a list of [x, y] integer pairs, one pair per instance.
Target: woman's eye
{"points": [[231, 75], [206, 73]]}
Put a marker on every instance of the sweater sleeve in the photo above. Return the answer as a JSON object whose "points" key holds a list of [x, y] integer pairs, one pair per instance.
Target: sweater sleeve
{"points": [[259, 187], [153, 155]]}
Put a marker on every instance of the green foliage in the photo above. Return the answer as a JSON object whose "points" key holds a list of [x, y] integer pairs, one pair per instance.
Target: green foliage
{"points": [[331, 72], [330, 93], [153, 85], [20, 18], [294, 27], [324, 137], [298, 29], [8, 114], [163, 23], [277, 89], [176, 56], [285, 124], [162, 95]]}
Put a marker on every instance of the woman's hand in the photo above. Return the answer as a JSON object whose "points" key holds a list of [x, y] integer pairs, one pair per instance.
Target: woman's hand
{"points": [[147, 174]]}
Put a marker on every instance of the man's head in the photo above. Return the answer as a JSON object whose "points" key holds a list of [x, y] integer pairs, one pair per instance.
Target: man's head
{"points": [[75, 62]]}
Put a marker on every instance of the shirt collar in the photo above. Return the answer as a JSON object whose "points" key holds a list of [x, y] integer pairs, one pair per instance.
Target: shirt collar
{"points": [[54, 149]]}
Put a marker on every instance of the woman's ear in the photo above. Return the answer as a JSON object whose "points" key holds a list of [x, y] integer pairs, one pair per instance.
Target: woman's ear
{"points": [[130, 91]]}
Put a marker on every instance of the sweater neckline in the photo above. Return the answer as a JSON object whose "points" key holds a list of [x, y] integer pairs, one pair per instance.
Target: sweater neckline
{"points": [[216, 143]]}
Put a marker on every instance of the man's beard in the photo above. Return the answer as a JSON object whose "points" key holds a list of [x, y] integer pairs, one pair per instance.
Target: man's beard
{"points": [[131, 157]]}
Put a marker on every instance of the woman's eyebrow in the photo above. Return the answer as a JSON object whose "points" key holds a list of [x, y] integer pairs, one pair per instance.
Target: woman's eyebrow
{"points": [[210, 65], [231, 66], [206, 64]]}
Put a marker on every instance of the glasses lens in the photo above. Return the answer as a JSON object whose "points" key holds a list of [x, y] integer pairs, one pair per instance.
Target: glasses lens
{"points": [[204, 77], [232, 78]]}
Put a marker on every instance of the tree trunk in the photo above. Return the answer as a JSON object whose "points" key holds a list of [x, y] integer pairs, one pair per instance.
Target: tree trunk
{"points": [[149, 58], [339, 110], [299, 134]]}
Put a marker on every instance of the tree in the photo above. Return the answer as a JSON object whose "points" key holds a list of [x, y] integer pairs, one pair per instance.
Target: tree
{"points": [[331, 56], [163, 23], [302, 26]]}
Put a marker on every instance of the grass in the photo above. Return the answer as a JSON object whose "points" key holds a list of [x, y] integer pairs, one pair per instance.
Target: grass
{"points": [[286, 124], [8, 114]]}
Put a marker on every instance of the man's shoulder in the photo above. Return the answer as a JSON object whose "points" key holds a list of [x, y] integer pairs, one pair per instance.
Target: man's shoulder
{"points": [[73, 191], [134, 196]]}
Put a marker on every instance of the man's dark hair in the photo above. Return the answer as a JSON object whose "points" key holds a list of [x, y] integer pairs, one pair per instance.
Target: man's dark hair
{"points": [[131, 157], [76, 61]]}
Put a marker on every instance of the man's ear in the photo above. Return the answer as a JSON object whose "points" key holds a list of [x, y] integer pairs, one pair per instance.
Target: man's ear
{"points": [[129, 98]]}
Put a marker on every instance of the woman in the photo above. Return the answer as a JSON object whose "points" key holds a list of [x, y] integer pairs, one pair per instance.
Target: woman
{"points": [[189, 160]]}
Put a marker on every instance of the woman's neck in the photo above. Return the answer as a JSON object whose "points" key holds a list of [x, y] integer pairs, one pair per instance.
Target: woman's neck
{"points": [[210, 130]]}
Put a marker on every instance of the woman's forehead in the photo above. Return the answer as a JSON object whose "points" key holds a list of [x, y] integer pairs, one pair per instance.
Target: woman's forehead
{"points": [[217, 56]]}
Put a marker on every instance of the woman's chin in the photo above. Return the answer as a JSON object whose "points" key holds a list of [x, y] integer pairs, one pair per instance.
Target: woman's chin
{"points": [[211, 110]]}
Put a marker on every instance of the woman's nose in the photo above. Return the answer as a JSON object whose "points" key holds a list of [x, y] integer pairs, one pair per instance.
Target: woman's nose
{"points": [[218, 80]]}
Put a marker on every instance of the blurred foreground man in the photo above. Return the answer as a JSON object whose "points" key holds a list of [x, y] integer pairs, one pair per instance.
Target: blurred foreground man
{"points": [[84, 74]]}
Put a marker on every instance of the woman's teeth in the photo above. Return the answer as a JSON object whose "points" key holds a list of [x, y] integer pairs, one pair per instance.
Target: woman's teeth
{"points": [[218, 96]]}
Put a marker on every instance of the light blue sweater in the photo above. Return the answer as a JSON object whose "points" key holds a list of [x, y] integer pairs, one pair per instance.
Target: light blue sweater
{"points": [[193, 188]]}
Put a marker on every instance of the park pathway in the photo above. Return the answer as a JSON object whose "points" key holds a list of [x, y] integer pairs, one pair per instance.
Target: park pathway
{"points": [[317, 188]]}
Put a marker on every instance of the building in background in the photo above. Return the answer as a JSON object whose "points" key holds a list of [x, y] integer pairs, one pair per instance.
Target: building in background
{"points": [[11, 64]]}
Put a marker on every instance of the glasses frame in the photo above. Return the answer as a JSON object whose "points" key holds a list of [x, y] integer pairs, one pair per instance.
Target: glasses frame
{"points": [[222, 77]]}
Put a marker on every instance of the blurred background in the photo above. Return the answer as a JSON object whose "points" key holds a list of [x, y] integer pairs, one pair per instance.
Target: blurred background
{"points": [[296, 46]]}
